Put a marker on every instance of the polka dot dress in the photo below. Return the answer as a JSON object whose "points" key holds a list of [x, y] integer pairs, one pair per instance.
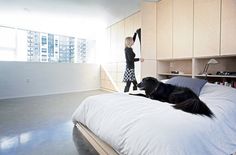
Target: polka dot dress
{"points": [[129, 75]]}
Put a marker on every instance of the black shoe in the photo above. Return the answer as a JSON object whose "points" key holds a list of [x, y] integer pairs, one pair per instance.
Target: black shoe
{"points": [[126, 89]]}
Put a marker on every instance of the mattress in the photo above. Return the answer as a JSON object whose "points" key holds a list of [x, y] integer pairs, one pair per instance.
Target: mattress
{"points": [[136, 125]]}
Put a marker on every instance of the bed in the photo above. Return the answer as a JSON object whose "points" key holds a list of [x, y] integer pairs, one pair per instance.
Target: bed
{"points": [[118, 123]]}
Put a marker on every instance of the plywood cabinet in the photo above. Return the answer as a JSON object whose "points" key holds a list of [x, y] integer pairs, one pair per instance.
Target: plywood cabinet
{"points": [[207, 27], [107, 52], [228, 27], [137, 20], [137, 46], [164, 29], [182, 28], [148, 19], [131, 24], [129, 27], [188, 34], [148, 47], [117, 41], [114, 63], [149, 68]]}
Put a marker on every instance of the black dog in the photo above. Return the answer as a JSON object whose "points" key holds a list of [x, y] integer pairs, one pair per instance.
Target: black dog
{"points": [[183, 98]]}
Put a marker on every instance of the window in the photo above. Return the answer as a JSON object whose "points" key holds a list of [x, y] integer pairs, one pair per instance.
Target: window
{"points": [[32, 46], [7, 44], [44, 40]]}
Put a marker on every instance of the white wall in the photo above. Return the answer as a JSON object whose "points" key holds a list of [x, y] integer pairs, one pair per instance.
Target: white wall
{"points": [[21, 79]]}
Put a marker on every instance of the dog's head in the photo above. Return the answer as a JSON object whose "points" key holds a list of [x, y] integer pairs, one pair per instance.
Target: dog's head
{"points": [[149, 84]]}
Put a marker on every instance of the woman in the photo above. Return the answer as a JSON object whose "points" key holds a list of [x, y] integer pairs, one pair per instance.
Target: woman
{"points": [[129, 75]]}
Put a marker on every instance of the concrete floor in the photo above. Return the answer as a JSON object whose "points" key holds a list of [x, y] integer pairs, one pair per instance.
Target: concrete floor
{"points": [[42, 125]]}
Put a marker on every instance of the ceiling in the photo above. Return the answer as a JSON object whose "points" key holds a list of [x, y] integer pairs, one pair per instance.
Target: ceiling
{"points": [[108, 11]]}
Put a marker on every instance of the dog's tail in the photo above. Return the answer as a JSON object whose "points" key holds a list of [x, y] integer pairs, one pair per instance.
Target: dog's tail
{"points": [[194, 106]]}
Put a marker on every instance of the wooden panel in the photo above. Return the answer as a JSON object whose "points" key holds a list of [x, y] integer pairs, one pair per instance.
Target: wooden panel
{"points": [[182, 28], [99, 145], [113, 42], [106, 82], [137, 20], [183, 66], [164, 29], [129, 26], [137, 25], [120, 42], [149, 68], [132, 23], [228, 28], [148, 20], [117, 41], [107, 55], [163, 66], [206, 27]]}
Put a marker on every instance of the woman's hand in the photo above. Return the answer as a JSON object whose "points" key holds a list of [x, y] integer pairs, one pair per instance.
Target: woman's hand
{"points": [[141, 59]]}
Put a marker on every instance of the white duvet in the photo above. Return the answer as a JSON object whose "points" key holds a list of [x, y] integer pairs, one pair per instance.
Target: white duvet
{"points": [[135, 125]]}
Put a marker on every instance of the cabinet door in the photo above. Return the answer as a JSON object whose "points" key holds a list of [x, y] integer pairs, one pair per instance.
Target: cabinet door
{"points": [[206, 27], [132, 23], [228, 27], [182, 28], [136, 25], [164, 29], [148, 21], [149, 68], [129, 26], [106, 55], [137, 20], [117, 42]]}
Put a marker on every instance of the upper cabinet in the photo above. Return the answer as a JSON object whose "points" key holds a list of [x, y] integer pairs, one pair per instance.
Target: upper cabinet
{"points": [[164, 29], [148, 20], [137, 20], [137, 24], [132, 23], [228, 27], [129, 26], [207, 27], [182, 28]]}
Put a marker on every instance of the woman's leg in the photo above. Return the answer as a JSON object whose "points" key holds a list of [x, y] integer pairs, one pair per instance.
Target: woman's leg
{"points": [[128, 83], [135, 85]]}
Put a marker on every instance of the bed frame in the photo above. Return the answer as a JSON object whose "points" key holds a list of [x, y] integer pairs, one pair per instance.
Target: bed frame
{"points": [[100, 146]]}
